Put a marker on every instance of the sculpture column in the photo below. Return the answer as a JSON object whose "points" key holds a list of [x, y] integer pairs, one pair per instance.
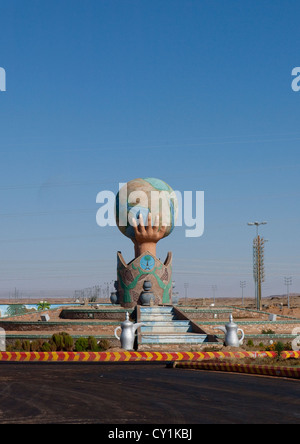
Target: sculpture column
{"points": [[144, 234]]}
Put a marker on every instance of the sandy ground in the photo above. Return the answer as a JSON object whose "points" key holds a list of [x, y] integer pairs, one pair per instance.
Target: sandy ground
{"points": [[274, 304]]}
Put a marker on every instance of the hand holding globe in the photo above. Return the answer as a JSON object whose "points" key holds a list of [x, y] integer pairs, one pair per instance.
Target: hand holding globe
{"points": [[136, 201], [146, 237]]}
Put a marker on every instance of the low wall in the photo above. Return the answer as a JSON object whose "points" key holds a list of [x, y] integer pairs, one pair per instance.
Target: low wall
{"points": [[11, 339], [34, 316], [113, 314], [222, 313], [59, 326], [254, 327]]}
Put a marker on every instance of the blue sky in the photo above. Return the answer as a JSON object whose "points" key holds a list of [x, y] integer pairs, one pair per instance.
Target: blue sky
{"points": [[197, 93]]}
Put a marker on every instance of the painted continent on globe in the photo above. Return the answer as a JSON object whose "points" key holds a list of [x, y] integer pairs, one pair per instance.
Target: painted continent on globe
{"points": [[131, 203]]}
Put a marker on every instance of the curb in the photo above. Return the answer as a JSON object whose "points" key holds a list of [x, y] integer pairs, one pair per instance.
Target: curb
{"points": [[266, 370], [133, 356], [126, 356], [290, 354]]}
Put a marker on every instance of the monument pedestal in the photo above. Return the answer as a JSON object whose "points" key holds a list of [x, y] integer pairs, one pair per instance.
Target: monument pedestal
{"points": [[146, 267]]}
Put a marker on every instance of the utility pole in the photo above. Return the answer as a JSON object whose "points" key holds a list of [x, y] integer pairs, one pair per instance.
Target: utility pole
{"points": [[97, 292], [186, 286], [288, 282], [258, 263], [174, 293], [214, 289], [242, 285]]}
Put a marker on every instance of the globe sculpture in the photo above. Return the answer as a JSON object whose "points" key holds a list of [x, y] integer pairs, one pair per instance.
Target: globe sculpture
{"points": [[142, 196], [145, 211]]}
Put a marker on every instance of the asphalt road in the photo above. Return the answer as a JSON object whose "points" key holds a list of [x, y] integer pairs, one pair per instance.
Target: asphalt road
{"points": [[142, 393]]}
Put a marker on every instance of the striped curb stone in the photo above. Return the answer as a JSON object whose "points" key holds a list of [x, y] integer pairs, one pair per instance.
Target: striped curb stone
{"points": [[125, 356], [287, 372], [290, 354]]}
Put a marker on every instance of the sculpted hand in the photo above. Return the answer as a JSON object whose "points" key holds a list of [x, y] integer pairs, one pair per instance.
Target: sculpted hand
{"points": [[146, 237]]}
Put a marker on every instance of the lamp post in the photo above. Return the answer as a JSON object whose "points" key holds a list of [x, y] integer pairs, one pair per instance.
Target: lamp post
{"points": [[242, 285], [258, 262], [288, 282]]}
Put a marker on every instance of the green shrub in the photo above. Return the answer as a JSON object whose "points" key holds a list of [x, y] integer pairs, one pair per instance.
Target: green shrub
{"points": [[62, 341], [268, 332], [35, 345], [58, 340], [18, 345], [104, 344], [92, 344], [46, 347], [279, 347], [68, 342], [81, 344], [26, 345], [52, 345], [250, 343]]}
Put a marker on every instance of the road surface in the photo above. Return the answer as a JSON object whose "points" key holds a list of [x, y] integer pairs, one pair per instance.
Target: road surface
{"points": [[142, 393]]}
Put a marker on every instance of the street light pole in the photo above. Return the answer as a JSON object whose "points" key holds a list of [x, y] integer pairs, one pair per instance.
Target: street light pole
{"points": [[214, 288], [258, 263]]}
